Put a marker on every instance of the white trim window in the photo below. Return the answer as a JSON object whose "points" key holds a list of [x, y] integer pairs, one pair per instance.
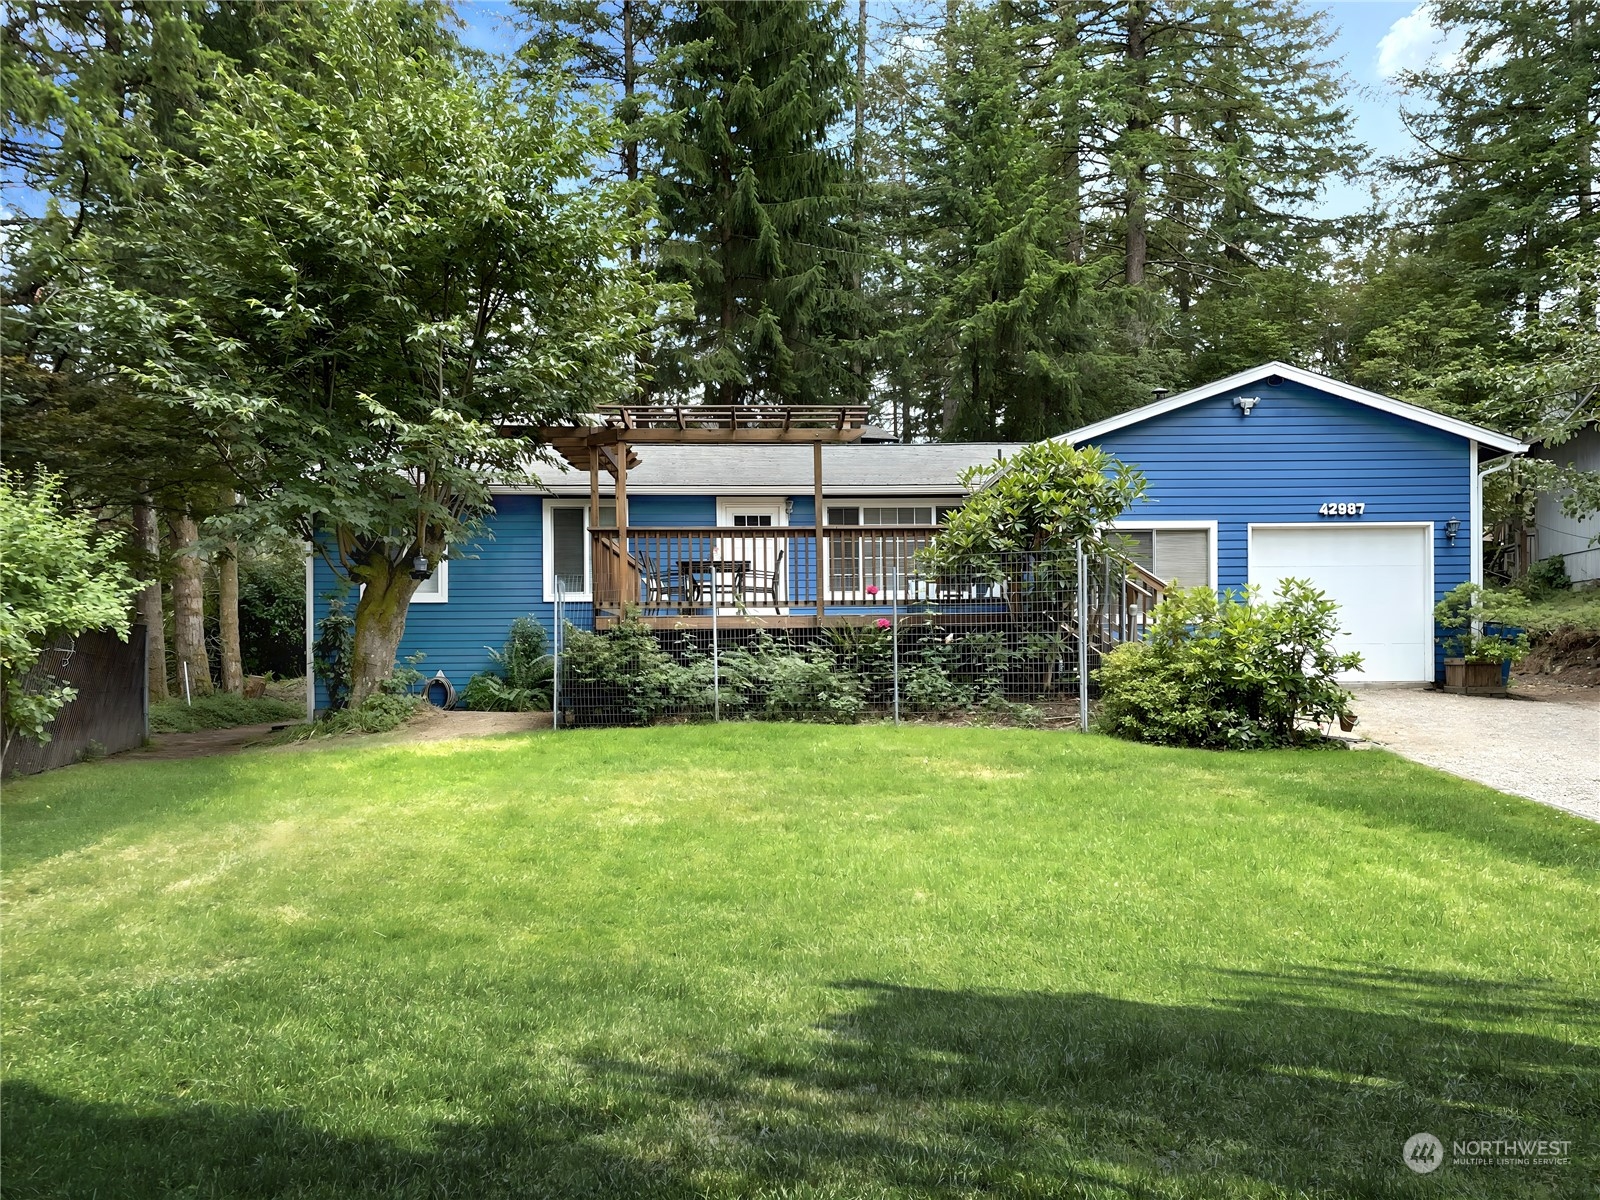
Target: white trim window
{"points": [[435, 589], [856, 561], [1180, 553], [568, 549]]}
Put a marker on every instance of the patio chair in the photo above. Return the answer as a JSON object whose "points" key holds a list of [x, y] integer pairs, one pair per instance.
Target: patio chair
{"points": [[657, 585], [761, 587]]}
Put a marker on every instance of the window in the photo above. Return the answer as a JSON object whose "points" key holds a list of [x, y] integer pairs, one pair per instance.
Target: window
{"points": [[860, 558], [1179, 556], [435, 589], [566, 546], [903, 514]]}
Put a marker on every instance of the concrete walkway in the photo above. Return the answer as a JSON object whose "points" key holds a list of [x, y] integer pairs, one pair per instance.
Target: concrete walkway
{"points": [[1545, 750]]}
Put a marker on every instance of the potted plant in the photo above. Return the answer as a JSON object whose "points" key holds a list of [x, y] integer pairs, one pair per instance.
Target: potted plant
{"points": [[1480, 639]]}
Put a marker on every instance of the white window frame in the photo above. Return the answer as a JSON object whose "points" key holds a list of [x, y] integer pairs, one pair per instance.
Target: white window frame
{"points": [[859, 595], [548, 553], [778, 505], [935, 502], [1140, 525], [441, 573], [442, 596]]}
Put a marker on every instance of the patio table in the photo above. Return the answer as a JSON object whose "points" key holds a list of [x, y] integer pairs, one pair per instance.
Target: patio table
{"points": [[723, 577]]}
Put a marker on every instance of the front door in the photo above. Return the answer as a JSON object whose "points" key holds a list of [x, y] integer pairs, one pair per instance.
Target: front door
{"points": [[750, 564]]}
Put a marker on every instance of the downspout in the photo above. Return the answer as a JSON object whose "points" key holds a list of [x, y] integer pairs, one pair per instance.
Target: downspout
{"points": [[1478, 476]]}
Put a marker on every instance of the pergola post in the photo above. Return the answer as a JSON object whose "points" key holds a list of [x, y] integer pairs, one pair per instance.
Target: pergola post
{"points": [[622, 499], [816, 541], [594, 487]]}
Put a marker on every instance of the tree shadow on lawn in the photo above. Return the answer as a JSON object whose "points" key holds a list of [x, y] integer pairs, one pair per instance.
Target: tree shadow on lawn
{"points": [[1307, 1081]]}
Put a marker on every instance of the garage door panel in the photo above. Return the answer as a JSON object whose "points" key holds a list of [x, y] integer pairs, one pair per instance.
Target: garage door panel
{"points": [[1380, 578]]}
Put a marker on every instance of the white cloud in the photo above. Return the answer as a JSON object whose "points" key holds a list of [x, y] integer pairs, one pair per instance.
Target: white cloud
{"points": [[1410, 43]]}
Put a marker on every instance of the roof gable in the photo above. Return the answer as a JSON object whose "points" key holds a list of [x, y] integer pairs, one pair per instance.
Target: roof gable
{"points": [[1310, 379]]}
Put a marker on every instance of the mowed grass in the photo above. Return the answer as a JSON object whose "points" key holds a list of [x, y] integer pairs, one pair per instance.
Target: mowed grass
{"points": [[758, 960]]}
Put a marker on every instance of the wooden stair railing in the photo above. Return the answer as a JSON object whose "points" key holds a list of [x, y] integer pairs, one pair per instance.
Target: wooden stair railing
{"points": [[616, 575]]}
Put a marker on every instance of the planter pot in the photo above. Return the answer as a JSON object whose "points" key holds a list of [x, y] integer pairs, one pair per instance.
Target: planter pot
{"points": [[1347, 722], [1465, 678]]}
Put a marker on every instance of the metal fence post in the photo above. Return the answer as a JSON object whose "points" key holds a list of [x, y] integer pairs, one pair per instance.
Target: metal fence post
{"points": [[555, 656], [1083, 641], [716, 658], [894, 632]]}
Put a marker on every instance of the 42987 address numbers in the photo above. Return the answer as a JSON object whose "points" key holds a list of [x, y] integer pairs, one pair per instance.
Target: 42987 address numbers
{"points": [[1343, 508]]}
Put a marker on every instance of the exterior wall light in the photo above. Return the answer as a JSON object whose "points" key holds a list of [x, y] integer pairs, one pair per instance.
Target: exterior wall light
{"points": [[1245, 403], [1451, 528], [420, 568], [788, 506]]}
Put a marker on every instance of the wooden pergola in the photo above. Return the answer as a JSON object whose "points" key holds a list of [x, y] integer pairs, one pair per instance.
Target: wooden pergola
{"points": [[608, 444]]}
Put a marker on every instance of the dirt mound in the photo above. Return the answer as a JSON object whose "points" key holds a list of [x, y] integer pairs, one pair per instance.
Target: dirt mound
{"points": [[1572, 655]]}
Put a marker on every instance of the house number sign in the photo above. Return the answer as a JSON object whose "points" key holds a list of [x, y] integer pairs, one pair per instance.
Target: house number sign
{"points": [[1343, 508]]}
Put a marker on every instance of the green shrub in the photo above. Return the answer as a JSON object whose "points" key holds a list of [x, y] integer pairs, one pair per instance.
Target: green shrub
{"points": [[488, 692], [378, 713], [333, 652], [624, 677], [768, 681], [1480, 626], [1545, 578], [1228, 673], [525, 658], [524, 676], [1577, 610], [929, 689], [59, 577], [220, 710]]}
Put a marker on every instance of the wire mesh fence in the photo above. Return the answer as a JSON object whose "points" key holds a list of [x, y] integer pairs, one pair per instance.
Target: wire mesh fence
{"points": [[1017, 639]]}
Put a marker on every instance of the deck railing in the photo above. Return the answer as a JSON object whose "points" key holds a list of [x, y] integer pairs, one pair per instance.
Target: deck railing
{"points": [[774, 571], [755, 569]]}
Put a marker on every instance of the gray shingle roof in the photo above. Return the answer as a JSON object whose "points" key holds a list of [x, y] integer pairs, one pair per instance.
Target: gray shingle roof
{"points": [[764, 470]]}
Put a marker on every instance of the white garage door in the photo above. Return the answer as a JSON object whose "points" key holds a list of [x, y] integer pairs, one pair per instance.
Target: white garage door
{"points": [[1381, 577]]}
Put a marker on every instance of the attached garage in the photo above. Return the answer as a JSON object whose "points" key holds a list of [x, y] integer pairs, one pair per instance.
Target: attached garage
{"points": [[1381, 576], [1278, 472]]}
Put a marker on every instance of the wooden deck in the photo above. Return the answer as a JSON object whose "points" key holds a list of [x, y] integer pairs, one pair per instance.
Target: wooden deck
{"points": [[786, 578]]}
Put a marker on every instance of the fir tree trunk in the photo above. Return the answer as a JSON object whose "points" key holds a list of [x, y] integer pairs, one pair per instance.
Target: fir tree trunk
{"points": [[1137, 248], [149, 601], [860, 147], [380, 623], [630, 143], [188, 607]]}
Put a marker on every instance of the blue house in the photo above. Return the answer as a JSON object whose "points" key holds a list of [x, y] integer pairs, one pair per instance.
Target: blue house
{"points": [[1270, 473], [1278, 472], [714, 532]]}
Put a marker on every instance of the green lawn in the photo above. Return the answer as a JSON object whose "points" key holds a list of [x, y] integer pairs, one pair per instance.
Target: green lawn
{"points": [[791, 961]]}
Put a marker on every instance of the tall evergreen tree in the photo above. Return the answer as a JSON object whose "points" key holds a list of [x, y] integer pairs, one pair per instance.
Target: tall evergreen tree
{"points": [[1509, 132], [753, 195]]}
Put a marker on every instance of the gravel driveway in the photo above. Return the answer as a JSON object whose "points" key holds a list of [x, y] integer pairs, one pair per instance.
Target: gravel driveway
{"points": [[1546, 750]]}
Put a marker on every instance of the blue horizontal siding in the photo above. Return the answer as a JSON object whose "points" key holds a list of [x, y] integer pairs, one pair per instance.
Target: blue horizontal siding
{"points": [[1298, 449], [496, 579]]}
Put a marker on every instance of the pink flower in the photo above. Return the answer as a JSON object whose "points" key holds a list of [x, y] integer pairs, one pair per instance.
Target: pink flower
{"points": [[883, 622], [872, 589]]}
